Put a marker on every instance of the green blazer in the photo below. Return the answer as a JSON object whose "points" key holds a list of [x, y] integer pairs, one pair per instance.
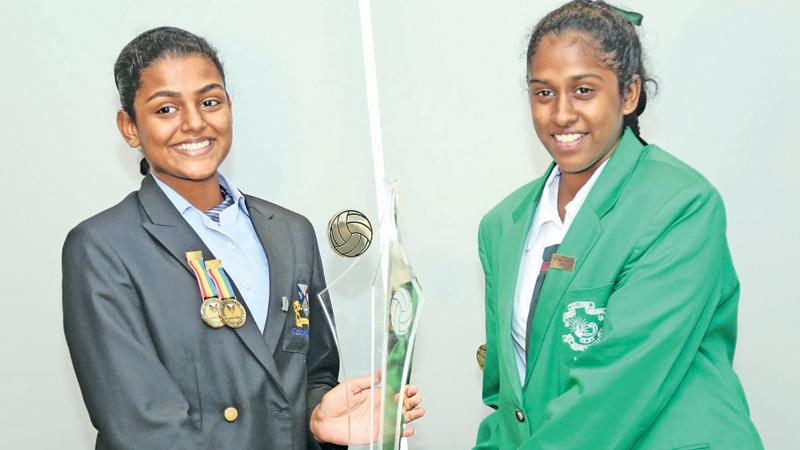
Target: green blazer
{"points": [[633, 347]]}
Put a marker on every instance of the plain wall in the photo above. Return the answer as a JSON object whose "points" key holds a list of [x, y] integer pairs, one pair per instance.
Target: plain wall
{"points": [[458, 138]]}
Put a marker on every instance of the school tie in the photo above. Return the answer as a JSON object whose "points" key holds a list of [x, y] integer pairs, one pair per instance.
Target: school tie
{"points": [[547, 255], [227, 200]]}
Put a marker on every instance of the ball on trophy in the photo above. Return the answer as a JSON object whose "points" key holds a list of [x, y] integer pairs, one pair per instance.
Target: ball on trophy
{"points": [[350, 233], [401, 311]]}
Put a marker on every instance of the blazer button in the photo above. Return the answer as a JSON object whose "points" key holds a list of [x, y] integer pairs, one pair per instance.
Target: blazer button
{"points": [[231, 414], [520, 416]]}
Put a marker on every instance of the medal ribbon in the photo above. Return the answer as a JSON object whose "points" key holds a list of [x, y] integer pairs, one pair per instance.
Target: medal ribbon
{"points": [[207, 287], [220, 278]]}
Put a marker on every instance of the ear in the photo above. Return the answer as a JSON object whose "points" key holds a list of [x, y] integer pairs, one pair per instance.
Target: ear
{"points": [[127, 128], [630, 99]]}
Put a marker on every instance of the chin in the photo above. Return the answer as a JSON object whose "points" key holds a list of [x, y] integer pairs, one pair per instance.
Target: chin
{"points": [[203, 175], [569, 165], [191, 174]]}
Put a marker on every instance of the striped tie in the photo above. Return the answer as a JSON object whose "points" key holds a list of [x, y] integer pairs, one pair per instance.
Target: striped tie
{"points": [[227, 200]]}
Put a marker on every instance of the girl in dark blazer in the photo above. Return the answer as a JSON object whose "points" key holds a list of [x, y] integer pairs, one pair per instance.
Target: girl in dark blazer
{"points": [[152, 373]]}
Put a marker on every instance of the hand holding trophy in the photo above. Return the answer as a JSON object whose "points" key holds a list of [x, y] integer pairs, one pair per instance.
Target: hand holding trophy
{"points": [[348, 406]]}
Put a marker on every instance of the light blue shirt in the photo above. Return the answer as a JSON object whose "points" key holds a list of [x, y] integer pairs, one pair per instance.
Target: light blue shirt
{"points": [[235, 243]]}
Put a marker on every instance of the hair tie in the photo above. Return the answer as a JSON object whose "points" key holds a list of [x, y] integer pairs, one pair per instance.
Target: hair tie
{"points": [[631, 17]]}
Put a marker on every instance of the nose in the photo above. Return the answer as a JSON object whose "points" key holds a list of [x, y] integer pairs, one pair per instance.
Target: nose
{"points": [[564, 113], [193, 120]]}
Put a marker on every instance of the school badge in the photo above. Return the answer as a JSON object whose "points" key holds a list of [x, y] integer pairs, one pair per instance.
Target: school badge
{"points": [[584, 324], [301, 306]]}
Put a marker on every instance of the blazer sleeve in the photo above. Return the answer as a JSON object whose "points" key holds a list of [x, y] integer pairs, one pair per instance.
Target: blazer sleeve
{"points": [[654, 323], [487, 434], [323, 357], [132, 400]]}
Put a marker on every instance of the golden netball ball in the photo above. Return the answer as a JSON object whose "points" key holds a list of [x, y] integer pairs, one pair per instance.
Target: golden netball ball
{"points": [[350, 233]]}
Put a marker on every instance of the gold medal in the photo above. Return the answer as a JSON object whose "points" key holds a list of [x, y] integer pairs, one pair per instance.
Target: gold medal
{"points": [[232, 313], [209, 308], [210, 312]]}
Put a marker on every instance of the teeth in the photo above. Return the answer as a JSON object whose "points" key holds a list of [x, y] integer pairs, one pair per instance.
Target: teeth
{"points": [[193, 145], [568, 137]]}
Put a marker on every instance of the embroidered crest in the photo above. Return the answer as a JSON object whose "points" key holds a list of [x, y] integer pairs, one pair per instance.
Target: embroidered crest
{"points": [[584, 324]]}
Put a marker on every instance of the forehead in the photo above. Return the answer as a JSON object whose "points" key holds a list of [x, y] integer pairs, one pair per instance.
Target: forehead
{"points": [[567, 54], [179, 74]]}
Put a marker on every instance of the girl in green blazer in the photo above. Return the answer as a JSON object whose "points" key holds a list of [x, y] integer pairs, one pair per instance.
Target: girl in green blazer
{"points": [[611, 297]]}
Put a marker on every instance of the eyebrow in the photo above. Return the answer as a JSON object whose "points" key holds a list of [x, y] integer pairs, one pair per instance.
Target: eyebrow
{"points": [[579, 76], [173, 94]]}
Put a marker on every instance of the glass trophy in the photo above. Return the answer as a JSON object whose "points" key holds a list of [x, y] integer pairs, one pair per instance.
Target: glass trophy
{"points": [[376, 301]]}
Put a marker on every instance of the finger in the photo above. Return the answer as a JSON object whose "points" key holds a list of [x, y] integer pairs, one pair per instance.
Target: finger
{"points": [[413, 402], [411, 390], [414, 414], [397, 396], [356, 385], [408, 432]]}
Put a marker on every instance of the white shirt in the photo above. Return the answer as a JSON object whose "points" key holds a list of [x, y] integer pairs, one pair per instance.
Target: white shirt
{"points": [[547, 229]]}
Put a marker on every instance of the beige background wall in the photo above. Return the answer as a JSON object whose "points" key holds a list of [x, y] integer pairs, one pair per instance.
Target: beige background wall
{"points": [[458, 138]]}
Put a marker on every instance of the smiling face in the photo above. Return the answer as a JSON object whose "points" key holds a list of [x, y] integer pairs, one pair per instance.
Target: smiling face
{"points": [[183, 119], [575, 101]]}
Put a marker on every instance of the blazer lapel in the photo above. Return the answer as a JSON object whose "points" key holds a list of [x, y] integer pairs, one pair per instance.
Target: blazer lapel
{"points": [[169, 228], [277, 242], [510, 252], [167, 225], [581, 238]]}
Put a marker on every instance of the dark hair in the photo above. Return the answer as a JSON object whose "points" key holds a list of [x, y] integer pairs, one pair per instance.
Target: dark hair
{"points": [[147, 48], [615, 37]]}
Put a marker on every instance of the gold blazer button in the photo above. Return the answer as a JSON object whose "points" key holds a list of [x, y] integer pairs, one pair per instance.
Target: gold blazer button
{"points": [[231, 414], [520, 416], [481, 356]]}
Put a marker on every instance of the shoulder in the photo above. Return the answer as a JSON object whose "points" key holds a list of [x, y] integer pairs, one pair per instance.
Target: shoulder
{"points": [[108, 225], [296, 221], [500, 214], [664, 173], [665, 188]]}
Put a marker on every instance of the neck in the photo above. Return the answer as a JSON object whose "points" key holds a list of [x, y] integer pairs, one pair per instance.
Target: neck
{"points": [[572, 182], [203, 194]]}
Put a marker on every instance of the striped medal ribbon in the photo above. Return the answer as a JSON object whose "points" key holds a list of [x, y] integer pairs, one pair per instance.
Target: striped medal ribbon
{"points": [[231, 311], [211, 304]]}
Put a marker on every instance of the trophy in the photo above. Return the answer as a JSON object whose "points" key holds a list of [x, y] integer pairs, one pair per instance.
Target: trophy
{"points": [[377, 300]]}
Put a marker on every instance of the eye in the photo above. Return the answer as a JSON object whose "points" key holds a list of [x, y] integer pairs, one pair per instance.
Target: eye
{"points": [[584, 91], [167, 110], [544, 93], [210, 103]]}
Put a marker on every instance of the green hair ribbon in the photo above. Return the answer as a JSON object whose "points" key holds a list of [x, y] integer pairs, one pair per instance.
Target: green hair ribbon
{"points": [[631, 17]]}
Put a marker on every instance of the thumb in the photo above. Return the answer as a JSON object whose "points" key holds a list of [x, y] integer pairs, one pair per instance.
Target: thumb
{"points": [[356, 385]]}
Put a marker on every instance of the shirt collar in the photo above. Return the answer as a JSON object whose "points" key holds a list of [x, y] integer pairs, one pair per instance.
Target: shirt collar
{"points": [[238, 198], [547, 211], [548, 204], [183, 206]]}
